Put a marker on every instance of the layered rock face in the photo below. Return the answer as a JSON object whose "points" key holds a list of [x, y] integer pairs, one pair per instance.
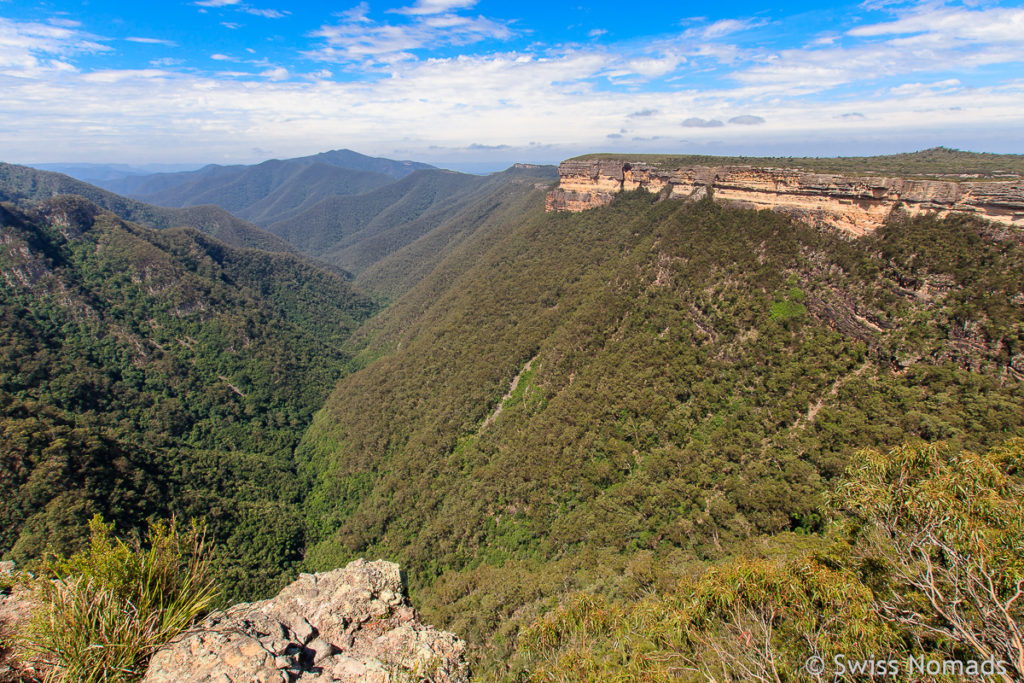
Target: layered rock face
{"points": [[852, 204], [351, 624]]}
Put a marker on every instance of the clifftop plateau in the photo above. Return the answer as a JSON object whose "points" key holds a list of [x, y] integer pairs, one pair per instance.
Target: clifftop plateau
{"points": [[854, 204]]}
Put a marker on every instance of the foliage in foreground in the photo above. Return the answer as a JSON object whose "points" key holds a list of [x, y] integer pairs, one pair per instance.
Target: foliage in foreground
{"points": [[926, 560], [105, 610]]}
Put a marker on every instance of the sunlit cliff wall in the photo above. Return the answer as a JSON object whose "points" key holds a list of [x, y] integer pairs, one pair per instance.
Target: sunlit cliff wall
{"points": [[852, 204]]}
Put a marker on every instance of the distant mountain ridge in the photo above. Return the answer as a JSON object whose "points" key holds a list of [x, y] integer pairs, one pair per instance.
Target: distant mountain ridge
{"points": [[356, 232], [270, 191], [96, 173], [345, 208], [25, 186]]}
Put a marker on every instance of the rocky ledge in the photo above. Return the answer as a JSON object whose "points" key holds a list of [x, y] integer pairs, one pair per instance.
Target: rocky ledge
{"points": [[852, 204], [351, 624]]}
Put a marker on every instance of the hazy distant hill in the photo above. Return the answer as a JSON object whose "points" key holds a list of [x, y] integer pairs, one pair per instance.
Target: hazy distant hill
{"points": [[355, 232], [25, 186], [246, 191], [270, 191], [97, 174]]}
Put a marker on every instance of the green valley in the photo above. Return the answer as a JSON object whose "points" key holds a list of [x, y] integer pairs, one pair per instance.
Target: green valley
{"points": [[149, 373]]}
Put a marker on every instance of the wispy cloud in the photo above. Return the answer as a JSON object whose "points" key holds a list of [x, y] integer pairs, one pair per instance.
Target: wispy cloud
{"points": [[166, 62], [358, 37], [242, 7], [723, 28], [29, 49], [265, 13], [151, 41], [989, 25], [424, 7], [924, 38]]}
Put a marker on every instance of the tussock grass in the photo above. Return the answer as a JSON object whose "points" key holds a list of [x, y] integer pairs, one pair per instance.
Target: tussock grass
{"points": [[106, 610]]}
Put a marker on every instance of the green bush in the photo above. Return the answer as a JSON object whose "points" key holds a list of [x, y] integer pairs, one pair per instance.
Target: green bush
{"points": [[107, 609]]}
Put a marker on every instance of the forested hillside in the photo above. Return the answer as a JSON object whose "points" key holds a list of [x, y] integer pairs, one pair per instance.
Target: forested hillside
{"points": [[150, 373], [567, 395], [26, 186], [356, 232]]}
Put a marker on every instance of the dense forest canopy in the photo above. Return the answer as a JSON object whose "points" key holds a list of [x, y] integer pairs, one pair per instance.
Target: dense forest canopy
{"points": [[148, 373]]}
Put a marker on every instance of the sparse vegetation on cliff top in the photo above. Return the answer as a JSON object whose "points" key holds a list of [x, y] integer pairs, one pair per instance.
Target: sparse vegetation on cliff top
{"points": [[936, 163]]}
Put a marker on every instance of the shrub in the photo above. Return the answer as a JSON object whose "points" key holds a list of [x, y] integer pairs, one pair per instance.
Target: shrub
{"points": [[107, 609], [939, 534]]}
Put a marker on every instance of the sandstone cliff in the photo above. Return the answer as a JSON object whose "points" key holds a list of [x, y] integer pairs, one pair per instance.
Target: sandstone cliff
{"points": [[852, 204], [351, 624]]}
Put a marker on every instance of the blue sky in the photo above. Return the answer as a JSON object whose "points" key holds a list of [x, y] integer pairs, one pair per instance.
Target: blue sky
{"points": [[482, 84]]}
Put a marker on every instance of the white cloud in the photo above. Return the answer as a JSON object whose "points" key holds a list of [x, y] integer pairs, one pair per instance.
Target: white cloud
{"points": [[653, 67], [905, 89], [276, 74], [166, 61], [241, 7], [993, 25], [265, 13], [436, 6], [221, 57], [29, 49], [358, 37], [151, 41], [724, 27], [925, 39]]}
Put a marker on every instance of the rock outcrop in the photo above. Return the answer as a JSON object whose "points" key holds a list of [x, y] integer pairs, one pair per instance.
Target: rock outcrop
{"points": [[351, 624], [853, 204], [15, 612]]}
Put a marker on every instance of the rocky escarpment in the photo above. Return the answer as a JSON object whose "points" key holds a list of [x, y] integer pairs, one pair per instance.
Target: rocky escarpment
{"points": [[351, 624], [852, 204]]}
